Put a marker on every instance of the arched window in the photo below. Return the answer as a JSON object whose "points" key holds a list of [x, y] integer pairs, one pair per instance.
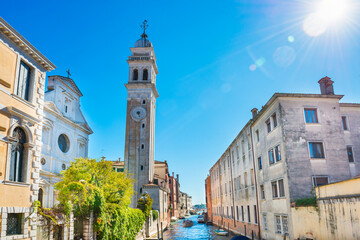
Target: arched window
{"points": [[145, 74], [17, 155], [41, 196], [135, 74]]}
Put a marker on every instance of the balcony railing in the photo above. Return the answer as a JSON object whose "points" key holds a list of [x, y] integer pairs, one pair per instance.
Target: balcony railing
{"points": [[137, 58]]}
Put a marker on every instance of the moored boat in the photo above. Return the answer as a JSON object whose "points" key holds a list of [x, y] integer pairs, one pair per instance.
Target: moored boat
{"points": [[201, 219], [221, 232], [188, 223]]}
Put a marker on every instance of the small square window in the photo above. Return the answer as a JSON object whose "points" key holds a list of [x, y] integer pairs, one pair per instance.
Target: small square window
{"points": [[311, 115], [316, 150], [320, 180], [344, 123], [350, 153]]}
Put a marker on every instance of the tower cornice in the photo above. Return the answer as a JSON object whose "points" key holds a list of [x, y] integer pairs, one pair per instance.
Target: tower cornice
{"points": [[142, 86]]}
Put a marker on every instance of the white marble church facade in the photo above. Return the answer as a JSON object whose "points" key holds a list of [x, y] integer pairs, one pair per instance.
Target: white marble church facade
{"points": [[65, 134]]}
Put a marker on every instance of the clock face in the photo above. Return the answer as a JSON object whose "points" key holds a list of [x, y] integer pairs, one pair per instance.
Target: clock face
{"points": [[138, 113]]}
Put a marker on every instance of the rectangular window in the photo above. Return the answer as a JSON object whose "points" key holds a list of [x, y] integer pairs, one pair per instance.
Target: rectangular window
{"points": [[277, 153], [252, 176], [311, 115], [284, 220], [271, 156], [344, 123], [262, 191], [281, 224], [274, 120], [232, 212], [227, 211], [316, 150], [265, 221], [257, 136], [243, 147], [320, 180], [248, 213], [245, 179], [350, 153], [242, 213], [268, 125], [281, 188], [237, 152], [14, 224], [23, 81], [255, 215], [259, 163], [277, 224], [278, 188], [239, 182], [274, 189]]}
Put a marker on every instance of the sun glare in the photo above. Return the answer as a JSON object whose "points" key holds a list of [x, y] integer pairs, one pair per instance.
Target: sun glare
{"points": [[327, 13]]}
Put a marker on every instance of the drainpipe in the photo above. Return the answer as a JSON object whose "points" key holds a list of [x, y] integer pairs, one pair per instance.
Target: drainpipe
{"points": [[232, 187], [256, 187]]}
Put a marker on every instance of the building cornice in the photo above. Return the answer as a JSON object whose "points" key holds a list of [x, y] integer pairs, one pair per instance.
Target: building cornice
{"points": [[23, 44]]}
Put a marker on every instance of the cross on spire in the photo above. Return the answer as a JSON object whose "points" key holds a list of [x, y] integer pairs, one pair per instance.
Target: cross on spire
{"points": [[144, 26], [68, 72]]}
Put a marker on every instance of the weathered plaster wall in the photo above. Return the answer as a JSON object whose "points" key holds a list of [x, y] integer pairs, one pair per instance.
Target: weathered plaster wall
{"points": [[337, 216]]}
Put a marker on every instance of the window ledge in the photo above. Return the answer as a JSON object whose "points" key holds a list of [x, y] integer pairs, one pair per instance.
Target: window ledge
{"points": [[21, 184], [312, 124], [275, 163], [278, 198], [318, 159], [20, 236], [23, 101]]}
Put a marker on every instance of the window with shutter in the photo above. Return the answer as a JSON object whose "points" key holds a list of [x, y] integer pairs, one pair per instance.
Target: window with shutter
{"points": [[23, 81]]}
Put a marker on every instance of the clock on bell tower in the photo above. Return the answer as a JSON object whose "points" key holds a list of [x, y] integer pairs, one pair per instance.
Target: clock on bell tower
{"points": [[140, 115]]}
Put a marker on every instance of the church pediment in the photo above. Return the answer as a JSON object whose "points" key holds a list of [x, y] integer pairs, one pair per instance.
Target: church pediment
{"points": [[52, 106]]}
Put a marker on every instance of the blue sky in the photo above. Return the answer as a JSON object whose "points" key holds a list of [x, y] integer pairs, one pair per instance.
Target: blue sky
{"points": [[217, 60]]}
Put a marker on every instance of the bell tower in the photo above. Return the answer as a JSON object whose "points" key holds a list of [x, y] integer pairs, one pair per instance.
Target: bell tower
{"points": [[140, 114]]}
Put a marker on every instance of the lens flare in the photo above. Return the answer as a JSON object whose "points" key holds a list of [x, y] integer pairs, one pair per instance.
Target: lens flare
{"points": [[326, 13], [252, 67]]}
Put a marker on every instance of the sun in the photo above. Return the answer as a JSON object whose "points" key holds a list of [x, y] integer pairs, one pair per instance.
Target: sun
{"points": [[326, 14]]}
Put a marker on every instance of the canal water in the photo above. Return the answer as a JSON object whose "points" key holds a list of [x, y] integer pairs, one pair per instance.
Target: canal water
{"points": [[197, 231]]}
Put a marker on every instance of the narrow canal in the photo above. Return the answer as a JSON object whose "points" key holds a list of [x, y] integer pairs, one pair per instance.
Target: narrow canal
{"points": [[197, 231]]}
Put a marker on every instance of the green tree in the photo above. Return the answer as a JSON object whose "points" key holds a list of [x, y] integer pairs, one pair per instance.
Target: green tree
{"points": [[93, 186]]}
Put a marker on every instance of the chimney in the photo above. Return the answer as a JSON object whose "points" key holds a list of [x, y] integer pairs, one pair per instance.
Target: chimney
{"points": [[172, 174], [326, 86], [103, 158], [254, 112]]}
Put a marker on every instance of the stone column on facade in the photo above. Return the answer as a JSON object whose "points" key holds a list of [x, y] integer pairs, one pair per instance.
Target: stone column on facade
{"points": [[35, 175]]}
